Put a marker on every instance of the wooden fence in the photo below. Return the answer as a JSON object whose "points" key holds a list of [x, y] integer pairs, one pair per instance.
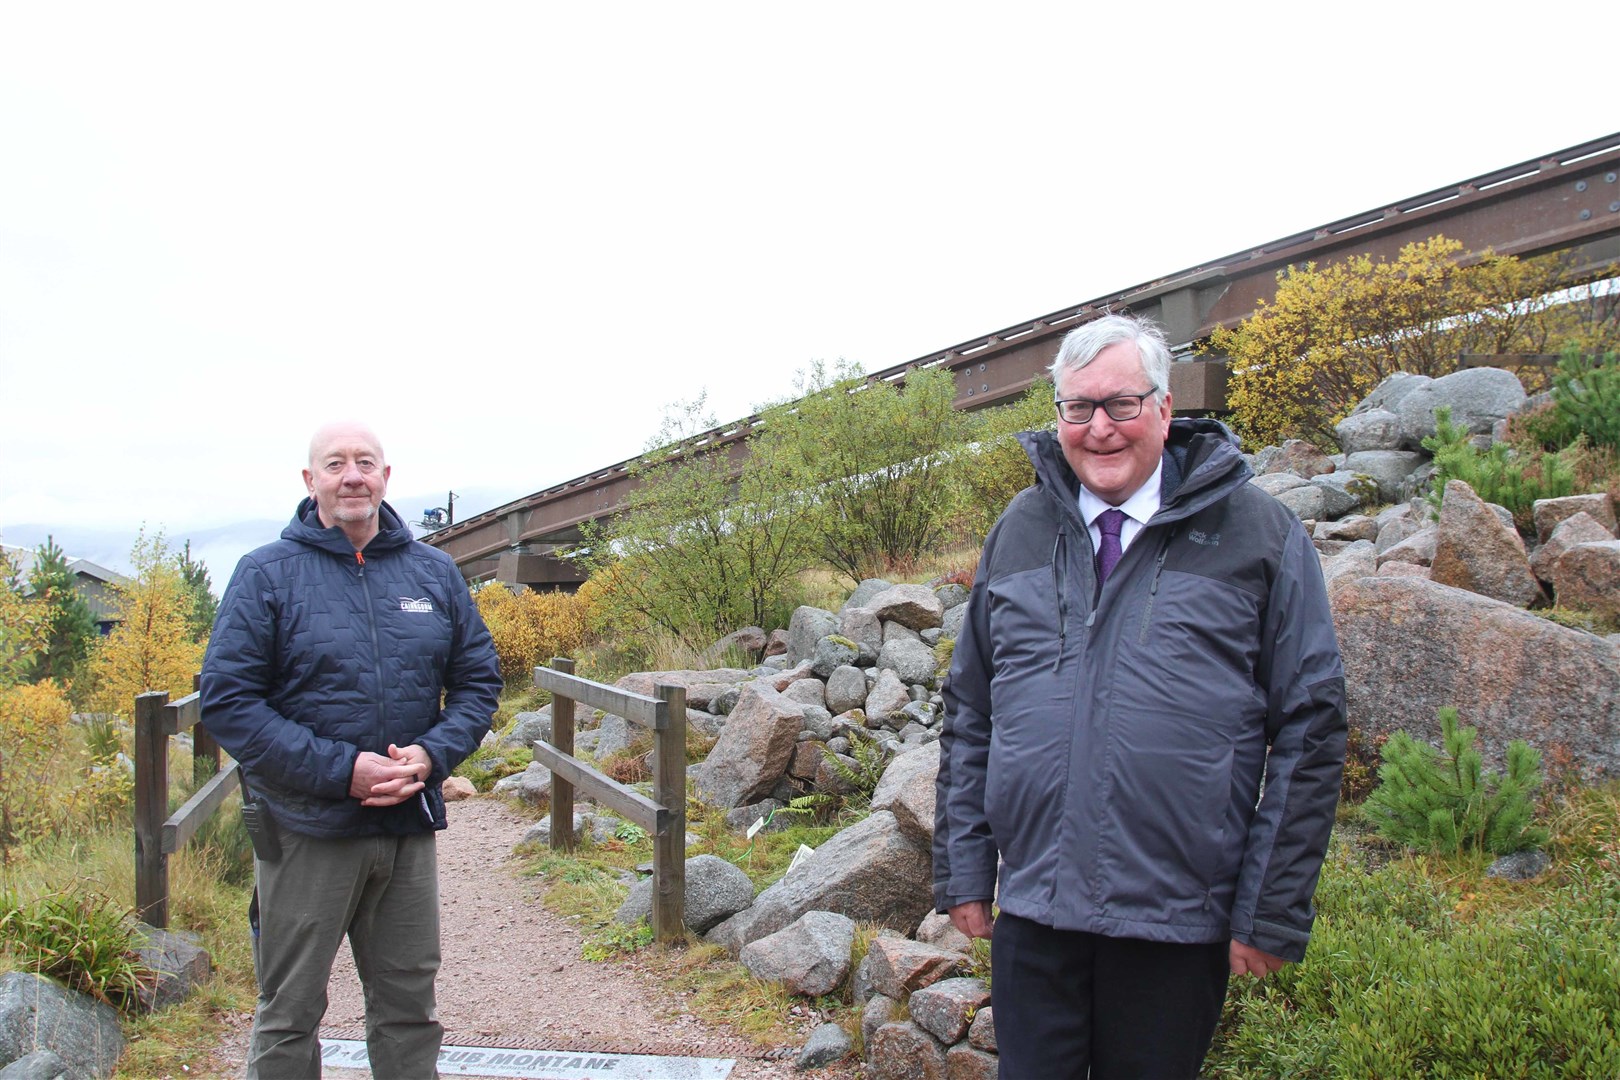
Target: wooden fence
{"points": [[663, 816], [158, 834]]}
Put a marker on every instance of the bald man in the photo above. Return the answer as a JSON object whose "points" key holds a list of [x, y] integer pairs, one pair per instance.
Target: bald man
{"points": [[332, 651]]}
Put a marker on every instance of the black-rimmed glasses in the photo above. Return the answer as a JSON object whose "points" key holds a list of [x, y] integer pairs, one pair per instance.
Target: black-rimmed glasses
{"points": [[1119, 407]]}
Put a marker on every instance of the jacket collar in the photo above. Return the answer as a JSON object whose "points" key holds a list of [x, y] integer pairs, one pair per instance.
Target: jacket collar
{"points": [[306, 528], [1201, 465]]}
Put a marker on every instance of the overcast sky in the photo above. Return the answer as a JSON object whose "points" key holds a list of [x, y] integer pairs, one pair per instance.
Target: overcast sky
{"points": [[510, 235]]}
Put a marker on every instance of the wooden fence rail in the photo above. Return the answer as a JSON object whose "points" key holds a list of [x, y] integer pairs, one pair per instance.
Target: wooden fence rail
{"points": [[159, 834], [663, 816]]}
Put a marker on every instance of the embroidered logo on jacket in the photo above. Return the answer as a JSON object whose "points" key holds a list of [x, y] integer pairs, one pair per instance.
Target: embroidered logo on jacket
{"points": [[1207, 539], [407, 604]]}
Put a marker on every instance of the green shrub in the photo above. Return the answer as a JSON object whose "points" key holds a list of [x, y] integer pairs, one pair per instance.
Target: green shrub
{"points": [[1404, 980], [1498, 475], [1446, 801], [1586, 397], [993, 467], [82, 938], [874, 463]]}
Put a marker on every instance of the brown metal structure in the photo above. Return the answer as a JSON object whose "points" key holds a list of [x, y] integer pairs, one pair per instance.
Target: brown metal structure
{"points": [[1567, 201]]}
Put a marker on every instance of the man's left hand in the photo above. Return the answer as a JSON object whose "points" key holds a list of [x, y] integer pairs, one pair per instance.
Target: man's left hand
{"points": [[412, 755], [411, 766], [1248, 960]]}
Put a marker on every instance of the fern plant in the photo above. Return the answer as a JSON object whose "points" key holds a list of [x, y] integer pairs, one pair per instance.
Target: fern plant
{"points": [[1445, 801], [863, 776], [812, 806]]}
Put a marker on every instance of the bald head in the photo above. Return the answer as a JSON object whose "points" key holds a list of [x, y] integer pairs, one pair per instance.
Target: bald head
{"points": [[343, 431], [347, 477]]}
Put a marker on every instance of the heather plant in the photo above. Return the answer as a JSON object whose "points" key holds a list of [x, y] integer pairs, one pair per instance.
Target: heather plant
{"points": [[1445, 800], [1416, 969]]}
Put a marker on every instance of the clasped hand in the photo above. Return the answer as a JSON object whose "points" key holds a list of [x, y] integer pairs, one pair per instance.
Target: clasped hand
{"points": [[387, 781]]}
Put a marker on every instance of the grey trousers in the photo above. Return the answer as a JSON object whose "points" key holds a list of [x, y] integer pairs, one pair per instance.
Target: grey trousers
{"points": [[383, 892]]}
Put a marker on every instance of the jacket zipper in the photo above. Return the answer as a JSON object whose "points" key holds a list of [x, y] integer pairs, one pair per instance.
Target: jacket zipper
{"points": [[1062, 597], [1153, 592], [376, 650]]}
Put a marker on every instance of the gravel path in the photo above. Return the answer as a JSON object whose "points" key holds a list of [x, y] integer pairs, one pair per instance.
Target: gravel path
{"points": [[513, 975]]}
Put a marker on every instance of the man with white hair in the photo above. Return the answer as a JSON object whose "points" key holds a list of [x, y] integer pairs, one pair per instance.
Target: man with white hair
{"points": [[1148, 639], [324, 678]]}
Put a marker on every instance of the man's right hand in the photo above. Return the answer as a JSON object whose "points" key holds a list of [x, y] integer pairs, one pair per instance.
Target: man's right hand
{"points": [[383, 781], [973, 918]]}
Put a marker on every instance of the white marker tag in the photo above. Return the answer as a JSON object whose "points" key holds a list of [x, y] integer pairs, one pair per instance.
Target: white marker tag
{"points": [[753, 830], [804, 852]]}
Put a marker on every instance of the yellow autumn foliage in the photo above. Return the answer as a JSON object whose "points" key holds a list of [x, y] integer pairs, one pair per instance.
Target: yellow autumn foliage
{"points": [[151, 648], [529, 628], [48, 784], [1331, 334]]}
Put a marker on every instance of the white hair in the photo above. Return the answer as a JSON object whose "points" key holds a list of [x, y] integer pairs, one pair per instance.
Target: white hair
{"points": [[1082, 344]]}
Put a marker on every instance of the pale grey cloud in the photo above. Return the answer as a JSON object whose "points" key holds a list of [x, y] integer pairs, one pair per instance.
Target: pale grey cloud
{"points": [[510, 234]]}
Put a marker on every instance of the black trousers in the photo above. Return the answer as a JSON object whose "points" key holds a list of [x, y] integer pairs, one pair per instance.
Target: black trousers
{"points": [[1069, 1004]]}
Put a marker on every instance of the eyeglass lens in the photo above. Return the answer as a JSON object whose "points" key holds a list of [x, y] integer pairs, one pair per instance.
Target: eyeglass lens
{"points": [[1080, 410]]}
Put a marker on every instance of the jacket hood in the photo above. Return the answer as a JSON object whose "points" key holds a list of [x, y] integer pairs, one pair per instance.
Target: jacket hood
{"points": [[1201, 464], [306, 528]]}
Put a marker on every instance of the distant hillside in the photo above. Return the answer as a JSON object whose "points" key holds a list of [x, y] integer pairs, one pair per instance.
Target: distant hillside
{"points": [[221, 546]]}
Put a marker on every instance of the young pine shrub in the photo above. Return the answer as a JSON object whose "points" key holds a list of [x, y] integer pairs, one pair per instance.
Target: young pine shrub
{"points": [[1446, 801], [1586, 396], [1500, 475]]}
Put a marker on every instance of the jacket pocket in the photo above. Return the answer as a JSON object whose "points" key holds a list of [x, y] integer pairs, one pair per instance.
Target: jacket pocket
{"points": [[1164, 831]]}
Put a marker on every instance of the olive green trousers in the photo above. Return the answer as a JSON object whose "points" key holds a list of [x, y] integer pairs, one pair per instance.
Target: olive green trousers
{"points": [[383, 893]]}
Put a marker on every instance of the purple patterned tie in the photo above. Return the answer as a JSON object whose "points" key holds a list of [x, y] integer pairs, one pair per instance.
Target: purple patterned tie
{"points": [[1109, 523]]}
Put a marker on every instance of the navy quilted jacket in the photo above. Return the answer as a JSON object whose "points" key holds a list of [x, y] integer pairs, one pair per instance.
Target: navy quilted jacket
{"points": [[320, 652]]}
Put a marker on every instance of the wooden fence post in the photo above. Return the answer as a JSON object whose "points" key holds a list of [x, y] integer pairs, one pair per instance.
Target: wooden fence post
{"points": [[204, 750], [151, 808], [669, 848], [562, 737]]}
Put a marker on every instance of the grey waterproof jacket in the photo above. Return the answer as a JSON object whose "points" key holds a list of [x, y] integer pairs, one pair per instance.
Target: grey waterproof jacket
{"points": [[1110, 749], [319, 652]]}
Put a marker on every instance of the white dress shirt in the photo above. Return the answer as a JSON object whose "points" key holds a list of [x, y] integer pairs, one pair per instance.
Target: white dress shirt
{"points": [[1141, 506]]}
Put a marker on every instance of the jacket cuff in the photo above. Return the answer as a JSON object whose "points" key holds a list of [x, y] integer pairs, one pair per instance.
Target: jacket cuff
{"points": [[948, 894], [1276, 939]]}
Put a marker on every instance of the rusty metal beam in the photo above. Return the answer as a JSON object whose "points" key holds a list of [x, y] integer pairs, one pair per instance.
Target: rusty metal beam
{"points": [[1568, 201]]}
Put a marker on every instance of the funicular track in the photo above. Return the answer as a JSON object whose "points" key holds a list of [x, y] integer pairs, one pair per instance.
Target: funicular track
{"points": [[1566, 201]]}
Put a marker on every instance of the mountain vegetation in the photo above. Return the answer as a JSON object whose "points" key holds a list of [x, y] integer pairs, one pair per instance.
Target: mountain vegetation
{"points": [[1332, 333]]}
